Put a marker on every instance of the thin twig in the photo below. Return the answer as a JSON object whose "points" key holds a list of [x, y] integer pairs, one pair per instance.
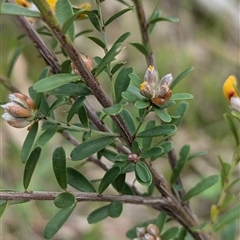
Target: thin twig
{"points": [[48, 56]]}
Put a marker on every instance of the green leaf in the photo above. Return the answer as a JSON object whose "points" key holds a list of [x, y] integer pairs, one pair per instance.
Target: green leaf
{"points": [[141, 104], [67, 25], [117, 15], [128, 120], [143, 174], [155, 14], [66, 67], [123, 37], [98, 214], [29, 142], [181, 96], [201, 186], [93, 17], [158, 131], [83, 117], [115, 209], [160, 19], [162, 114], [90, 147], [59, 166], [182, 234], [152, 152], [30, 166], [122, 82], [129, 97], [46, 136], [59, 102], [14, 58], [166, 146], [197, 154], [180, 77], [108, 178], [116, 67], [179, 112], [54, 81], [73, 110], [98, 41], [146, 142], [109, 57], [79, 181], [108, 154], [63, 11], [135, 79], [3, 206], [170, 233], [161, 220], [64, 200], [225, 168], [114, 109], [71, 89], [119, 183], [183, 156], [232, 127], [230, 231], [14, 9], [140, 47], [57, 221], [226, 218], [236, 114], [83, 33]]}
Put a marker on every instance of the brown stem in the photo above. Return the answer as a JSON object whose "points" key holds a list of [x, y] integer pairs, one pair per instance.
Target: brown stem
{"points": [[144, 31], [48, 56]]}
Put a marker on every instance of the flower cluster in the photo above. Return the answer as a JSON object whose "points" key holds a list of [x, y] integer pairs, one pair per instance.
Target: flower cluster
{"points": [[149, 233], [19, 112], [231, 93], [156, 90], [87, 61]]}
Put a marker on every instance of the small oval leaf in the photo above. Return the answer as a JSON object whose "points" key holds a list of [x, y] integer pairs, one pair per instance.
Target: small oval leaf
{"points": [[59, 166], [115, 209], [57, 221], [181, 96], [113, 110], [158, 131], [79, 181], [98, 214], [108, 178], [143, 174], [152, 153], [162, 114], [183, 156], [90, 147], [140, 104], [64, 200], [54, 81], [201, 186], [29, 142], [30, 166]]}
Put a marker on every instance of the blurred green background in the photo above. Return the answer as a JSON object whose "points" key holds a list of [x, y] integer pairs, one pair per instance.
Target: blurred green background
{"points": [[206, 38]]}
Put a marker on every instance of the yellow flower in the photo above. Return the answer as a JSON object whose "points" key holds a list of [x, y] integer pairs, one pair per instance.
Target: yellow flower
{"points": [[230, 92], [18, 112]]}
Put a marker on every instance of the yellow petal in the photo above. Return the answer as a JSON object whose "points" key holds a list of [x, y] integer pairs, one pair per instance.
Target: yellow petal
{"points": [[23, 3], [229, 87]]}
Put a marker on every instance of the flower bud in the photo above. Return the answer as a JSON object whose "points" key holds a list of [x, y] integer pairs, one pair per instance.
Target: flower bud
{"points": [[19, 111], [148, 236], [132, 157], [140, 231], [23, 3], [157, 91], [88, 63], [153, 230]]}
